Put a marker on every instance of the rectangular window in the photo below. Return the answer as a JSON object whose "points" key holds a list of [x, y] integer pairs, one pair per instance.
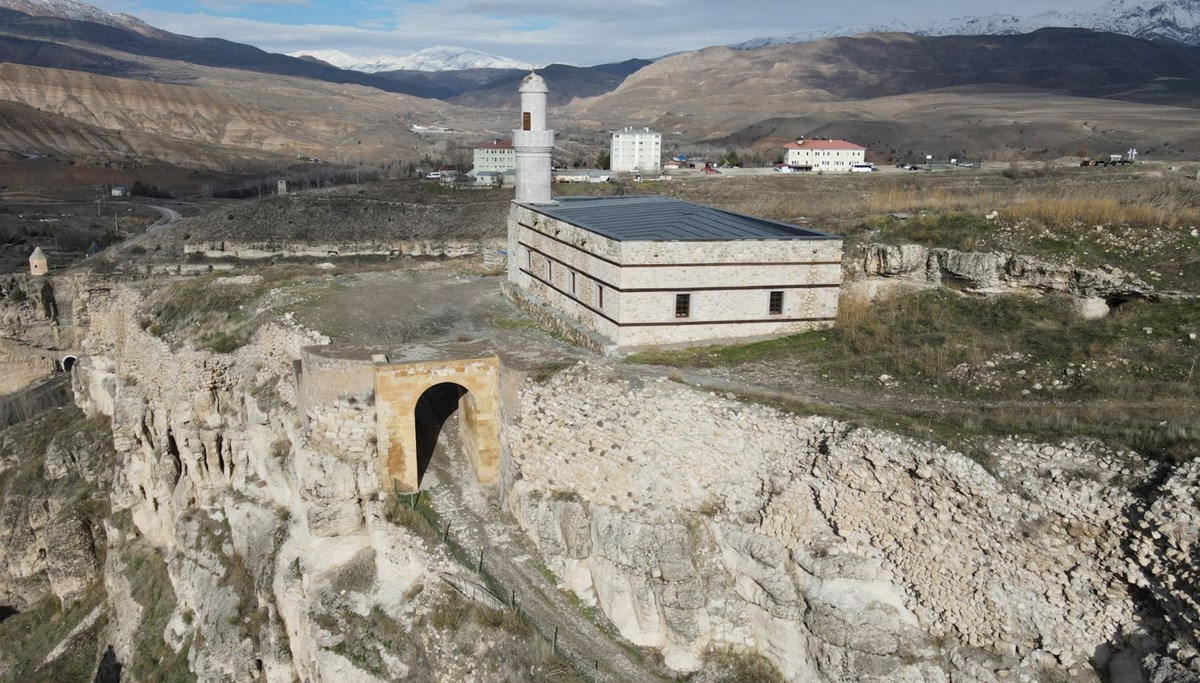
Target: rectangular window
{"points": [[550, 270], [683, 305], [572, 283], [529, 260], [775, 307], [600, 295], [526, 121]]}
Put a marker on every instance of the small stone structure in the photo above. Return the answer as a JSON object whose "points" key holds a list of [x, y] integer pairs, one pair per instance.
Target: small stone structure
{"points": [[359, 405], [38, 265]]}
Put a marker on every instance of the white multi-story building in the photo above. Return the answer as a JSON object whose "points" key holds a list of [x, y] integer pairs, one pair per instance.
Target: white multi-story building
{"points": [[642, 271], [822, 154], [496, 156], [636, 149]]}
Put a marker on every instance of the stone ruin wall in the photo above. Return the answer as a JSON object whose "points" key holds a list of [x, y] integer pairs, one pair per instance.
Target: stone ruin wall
{"points": [[492, 252], [336, 399]]}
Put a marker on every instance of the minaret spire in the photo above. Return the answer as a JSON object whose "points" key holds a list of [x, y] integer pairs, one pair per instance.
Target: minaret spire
{"points": [[533, 143]]}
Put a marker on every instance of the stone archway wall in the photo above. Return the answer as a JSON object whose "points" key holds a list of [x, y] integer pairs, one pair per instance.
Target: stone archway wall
{"points": [[398, 387]]}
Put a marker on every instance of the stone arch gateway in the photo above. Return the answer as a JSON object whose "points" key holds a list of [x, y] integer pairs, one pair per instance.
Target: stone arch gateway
{"points": [[398, 390]]}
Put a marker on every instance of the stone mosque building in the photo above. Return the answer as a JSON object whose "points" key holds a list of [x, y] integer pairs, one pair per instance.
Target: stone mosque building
{"points": [[645, 270]]}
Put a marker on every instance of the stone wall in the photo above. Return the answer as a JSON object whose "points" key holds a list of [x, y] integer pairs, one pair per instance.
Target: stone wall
{"points": [[694, 520], [626, 291], [489, 249], [398, 387]]}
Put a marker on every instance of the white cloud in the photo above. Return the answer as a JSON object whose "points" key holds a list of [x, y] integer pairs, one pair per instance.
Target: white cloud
{"points": [[544, 31]]}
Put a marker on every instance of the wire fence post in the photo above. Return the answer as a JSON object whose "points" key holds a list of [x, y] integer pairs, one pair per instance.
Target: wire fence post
{"points": [[479, 567], [554, 644]]}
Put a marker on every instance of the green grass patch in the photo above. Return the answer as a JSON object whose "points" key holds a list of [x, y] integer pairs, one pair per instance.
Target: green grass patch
{"points": [[726, 665], [214, 313], [364, 637], [1002, 365], [27, 638], [153, 659]]}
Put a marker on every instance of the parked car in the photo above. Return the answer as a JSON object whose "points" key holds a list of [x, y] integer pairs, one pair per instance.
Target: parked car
{"points": [[436, 175]]}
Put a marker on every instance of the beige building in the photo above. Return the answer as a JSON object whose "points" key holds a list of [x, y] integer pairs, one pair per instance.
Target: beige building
{"points": [[636, 149], [495, 156], [820, 154], [641, 271]]}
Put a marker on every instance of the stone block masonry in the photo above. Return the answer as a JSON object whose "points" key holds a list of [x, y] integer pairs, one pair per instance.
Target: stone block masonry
{"points": [[628, 291], [358, 409]]}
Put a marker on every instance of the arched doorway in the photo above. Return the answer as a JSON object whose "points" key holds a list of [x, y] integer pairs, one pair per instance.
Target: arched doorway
{"points": [[413, 402], [431, 413]]}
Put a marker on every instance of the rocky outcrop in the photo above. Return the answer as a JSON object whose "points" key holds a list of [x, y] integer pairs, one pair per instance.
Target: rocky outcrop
{"points": [[43, 319], [54, 474], [992, 273], [693, 520], [1166, 545]]}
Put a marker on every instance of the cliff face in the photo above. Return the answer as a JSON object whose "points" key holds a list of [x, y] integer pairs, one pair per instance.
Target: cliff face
{"points": [[209, 539], [44, 320], [694, 521]]}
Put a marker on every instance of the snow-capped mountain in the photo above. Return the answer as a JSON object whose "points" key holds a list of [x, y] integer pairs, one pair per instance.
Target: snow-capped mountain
{"points": [[78, 11], [438, 58], [1175, 21]]}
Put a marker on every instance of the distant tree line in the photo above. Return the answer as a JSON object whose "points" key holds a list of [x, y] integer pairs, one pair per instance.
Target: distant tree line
{"points": [[266, 186], [141, 189]]}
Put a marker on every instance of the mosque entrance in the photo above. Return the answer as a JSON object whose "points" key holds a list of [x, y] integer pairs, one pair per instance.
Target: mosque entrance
{"points": [[414, 401]]}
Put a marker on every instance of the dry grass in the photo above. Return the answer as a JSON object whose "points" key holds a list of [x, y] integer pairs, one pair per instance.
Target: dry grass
{"points": [[1058, 200], [1006, 365], [1137, 220]]}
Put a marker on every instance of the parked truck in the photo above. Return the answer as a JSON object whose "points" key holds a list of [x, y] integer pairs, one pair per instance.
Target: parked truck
{"points": [[1126, 159]]}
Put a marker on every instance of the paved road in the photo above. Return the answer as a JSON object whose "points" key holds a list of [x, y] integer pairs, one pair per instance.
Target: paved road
{"points": [[167, 217]]}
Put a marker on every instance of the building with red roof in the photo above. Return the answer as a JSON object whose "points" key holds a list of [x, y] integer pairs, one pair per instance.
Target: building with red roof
{"points": [[824, 154]]}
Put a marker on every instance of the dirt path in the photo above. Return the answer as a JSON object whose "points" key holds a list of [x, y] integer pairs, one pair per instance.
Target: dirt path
{"points": [[477, 522]]}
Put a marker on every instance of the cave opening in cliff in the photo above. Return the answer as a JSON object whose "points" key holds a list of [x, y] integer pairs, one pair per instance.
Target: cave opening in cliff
{"points": [[432, 414], [7, 611]]}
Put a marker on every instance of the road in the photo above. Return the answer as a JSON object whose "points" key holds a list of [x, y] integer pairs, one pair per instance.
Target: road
{"points": [[167, 217]]}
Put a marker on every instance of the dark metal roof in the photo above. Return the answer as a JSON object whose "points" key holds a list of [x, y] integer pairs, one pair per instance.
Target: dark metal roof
{"points": [[658, 219]]}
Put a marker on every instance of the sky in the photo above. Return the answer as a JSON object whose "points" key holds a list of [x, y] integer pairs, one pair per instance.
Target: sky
{"points": [[584, 32]]}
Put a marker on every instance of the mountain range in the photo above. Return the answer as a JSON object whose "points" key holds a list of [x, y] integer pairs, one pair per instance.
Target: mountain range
{"points": [[437, 58], [85, 86], [1172, 21]]}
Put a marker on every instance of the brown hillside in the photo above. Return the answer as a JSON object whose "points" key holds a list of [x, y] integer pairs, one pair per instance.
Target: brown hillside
{"points": [[1050, 89]]}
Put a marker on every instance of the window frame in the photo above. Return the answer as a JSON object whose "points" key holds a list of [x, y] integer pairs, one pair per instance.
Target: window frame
{"points": [[774, 306], [683, 305]]}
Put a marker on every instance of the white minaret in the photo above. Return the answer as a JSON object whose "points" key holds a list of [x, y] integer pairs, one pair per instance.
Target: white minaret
{"points": [[533, 143]]}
